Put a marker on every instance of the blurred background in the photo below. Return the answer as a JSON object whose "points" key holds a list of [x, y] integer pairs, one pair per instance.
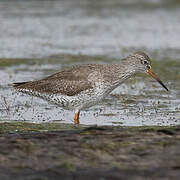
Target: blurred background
{"points": [[39, 28], [38, 38]]}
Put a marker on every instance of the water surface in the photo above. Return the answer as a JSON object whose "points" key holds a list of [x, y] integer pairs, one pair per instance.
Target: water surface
{"points": [[139, 101], [39, 38]]}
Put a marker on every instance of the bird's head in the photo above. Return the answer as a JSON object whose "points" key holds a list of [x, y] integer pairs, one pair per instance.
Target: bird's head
{"points": [[142, 64]]}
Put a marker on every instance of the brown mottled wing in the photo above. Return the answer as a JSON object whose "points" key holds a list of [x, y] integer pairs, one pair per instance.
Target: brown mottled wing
{"points": [[67, 82]]}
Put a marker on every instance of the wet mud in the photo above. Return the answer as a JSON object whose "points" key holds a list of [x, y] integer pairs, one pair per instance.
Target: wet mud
{"points": [[53, 151]]}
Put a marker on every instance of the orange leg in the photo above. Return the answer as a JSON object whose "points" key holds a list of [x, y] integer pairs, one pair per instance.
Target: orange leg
{"points": [[76, 118]]}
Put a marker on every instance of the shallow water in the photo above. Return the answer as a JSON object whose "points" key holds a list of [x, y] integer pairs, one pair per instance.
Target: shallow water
{"points": [[45, 41], [139, 101]]}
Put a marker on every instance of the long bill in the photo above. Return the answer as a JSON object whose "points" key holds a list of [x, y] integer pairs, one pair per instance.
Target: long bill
{"points": [[157, 79]]}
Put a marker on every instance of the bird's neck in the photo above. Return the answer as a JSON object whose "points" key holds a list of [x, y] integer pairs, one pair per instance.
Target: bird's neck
{"points": [[121, 72]]}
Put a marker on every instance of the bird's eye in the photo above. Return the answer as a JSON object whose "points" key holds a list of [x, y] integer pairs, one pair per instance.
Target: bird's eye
{"points": [[144, 62]]}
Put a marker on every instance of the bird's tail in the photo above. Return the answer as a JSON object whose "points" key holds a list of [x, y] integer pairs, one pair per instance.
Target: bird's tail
{"points": [[19, 84]]}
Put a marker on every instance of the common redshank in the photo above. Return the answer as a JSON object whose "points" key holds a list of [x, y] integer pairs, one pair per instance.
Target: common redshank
{"points": [[83, 86]]}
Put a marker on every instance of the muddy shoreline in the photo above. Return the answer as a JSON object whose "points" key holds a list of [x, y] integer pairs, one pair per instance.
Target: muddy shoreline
{"points": [[52, 151]]}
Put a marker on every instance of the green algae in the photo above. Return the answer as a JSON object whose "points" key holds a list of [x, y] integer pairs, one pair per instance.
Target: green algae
{"points": [[22, 127], [67, 166], [168, 69], [16, 61], [64, 59], [80, 58]]}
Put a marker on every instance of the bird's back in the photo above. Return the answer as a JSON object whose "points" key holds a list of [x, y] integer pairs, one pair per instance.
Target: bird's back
{"points": [[67, 82]]}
